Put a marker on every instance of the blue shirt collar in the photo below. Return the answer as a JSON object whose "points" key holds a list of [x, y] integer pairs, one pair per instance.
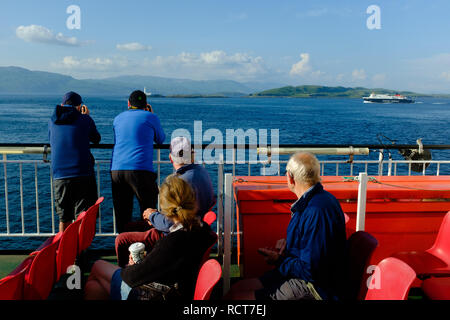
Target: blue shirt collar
{"points": [[185, 168], [300, 204]]}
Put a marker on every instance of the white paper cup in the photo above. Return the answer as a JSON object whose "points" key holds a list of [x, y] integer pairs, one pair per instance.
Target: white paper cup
{"points": [[137, 251]]}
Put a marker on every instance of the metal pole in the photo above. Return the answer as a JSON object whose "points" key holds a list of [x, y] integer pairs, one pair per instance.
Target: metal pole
{"points": [[227, 232], [6, 194], [380, 163], [37, 197], [362, 198], [219, 226]]}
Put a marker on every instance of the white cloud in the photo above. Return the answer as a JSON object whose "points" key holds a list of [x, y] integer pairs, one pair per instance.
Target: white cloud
{"points": [[210, 65], [301, 67], [92, 64], [133, 46], [359, 74], [215, 64], [40, 34]]}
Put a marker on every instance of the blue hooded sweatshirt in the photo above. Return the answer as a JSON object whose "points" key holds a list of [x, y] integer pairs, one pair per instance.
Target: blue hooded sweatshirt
{"points": [[70, 133]]}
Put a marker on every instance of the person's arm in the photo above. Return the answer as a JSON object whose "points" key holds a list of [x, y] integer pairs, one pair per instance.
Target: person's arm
{"points": [[94, 135], [159, 264], [300, 264], [160, 136], [160, 221]]}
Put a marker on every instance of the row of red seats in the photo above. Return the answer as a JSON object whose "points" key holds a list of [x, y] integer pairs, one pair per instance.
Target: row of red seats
{"points": [[395, 275], [34, 278]]}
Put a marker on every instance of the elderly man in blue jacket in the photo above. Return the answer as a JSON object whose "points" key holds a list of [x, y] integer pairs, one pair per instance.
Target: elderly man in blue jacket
{"points": [[309, 261]]}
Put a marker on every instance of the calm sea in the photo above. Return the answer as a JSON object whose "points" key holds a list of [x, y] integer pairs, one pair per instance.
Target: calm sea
{"points": [[23, 119]]}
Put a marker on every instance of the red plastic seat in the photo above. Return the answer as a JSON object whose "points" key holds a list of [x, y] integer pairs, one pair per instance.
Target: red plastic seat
{"points": [[209, 275], [437, 288], [210, 217], [68, 249], [87, 226], [208, 252], [11, 286], [435, 260], [391, 280], [360, 247], [40, 275]]}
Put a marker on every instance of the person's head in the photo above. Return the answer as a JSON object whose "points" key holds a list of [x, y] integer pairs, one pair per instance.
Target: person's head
{"points": [[302, 171], [181, 152], [137, 100], [177, 201], [72, 99]]}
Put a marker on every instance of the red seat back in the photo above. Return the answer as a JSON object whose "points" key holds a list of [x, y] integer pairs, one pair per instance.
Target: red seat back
{"points": [[11, 286], [441, 246], [68, 248], [391, 280], [208, 251], [87, 226], [210, 217], [360, 247], [40, 277], [209, 275]]}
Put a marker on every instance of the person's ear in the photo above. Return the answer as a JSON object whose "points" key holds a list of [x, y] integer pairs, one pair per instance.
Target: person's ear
{"points": [[170, 157], [290, 178]]}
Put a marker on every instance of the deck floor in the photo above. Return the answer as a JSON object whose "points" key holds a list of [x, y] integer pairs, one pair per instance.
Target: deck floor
{"points": [[8, 262]]}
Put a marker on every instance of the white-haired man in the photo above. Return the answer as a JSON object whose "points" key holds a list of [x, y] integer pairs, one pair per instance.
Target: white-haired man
{"points": [[182, 158], [308, 263]]}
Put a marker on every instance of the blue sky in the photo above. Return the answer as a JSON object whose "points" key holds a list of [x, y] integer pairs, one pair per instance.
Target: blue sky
{"points": [[285, 42]]}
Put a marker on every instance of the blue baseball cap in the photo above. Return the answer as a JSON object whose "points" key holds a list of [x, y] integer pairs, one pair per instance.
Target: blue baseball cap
{"points": [[72, 98]]}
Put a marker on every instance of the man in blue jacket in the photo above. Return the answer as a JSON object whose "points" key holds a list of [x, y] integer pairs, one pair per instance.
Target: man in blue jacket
{"points": [[132, 171], [70, 131], [309, 261], [156, 224]]}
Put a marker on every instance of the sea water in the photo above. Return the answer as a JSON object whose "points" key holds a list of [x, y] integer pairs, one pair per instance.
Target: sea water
{"points": [[24, 119]]}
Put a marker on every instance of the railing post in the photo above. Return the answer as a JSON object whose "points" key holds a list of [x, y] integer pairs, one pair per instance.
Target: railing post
{"points": [[228, 200], [380, 163], [220, 206], [6, 194], [362, 199]]}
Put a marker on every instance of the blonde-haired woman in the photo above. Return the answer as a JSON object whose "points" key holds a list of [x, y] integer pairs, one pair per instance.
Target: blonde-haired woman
{"points": [[175, 259]]}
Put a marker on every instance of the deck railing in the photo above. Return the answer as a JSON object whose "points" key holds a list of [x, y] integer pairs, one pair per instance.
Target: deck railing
{"points": [[24, 183]]}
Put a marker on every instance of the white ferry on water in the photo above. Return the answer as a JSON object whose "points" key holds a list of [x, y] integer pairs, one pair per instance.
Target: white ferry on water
{"points": [[386, 98]]}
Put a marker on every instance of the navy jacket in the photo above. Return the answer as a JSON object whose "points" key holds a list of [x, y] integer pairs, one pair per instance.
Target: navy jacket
{"points": [[70, 133], [198, 178], [315, 242]]}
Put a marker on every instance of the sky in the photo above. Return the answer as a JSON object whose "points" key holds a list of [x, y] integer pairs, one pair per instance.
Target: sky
{"points": [[400, 45]]}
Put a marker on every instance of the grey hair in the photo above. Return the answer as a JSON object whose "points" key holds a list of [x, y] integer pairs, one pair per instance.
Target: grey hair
{"points": [[304, 168]]}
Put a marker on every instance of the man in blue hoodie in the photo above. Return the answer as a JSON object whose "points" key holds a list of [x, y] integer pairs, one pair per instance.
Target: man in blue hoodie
{"points": [[132, 171], [308, 263], [71, 129]]}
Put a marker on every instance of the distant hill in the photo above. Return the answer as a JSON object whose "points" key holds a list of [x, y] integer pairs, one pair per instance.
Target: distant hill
{"points": [[16, 80], [310, 91]]}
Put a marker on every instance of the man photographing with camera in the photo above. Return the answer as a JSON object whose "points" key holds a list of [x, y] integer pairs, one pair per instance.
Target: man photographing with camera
{"points": [[132, 172], [71, 129]]}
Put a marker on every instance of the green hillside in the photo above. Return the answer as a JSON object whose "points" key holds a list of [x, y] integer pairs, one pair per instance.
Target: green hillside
{"points": [[310, 91]]}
